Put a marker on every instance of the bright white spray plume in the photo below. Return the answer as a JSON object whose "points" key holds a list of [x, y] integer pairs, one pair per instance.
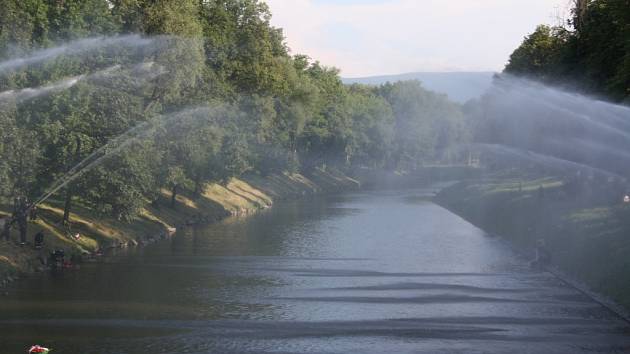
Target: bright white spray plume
{"points": [[140, 74], [28, 93], [75, 48], [556, 127]]}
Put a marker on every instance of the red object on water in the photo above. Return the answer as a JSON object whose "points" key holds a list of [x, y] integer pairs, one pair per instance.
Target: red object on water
{"points": [[38, 349]]}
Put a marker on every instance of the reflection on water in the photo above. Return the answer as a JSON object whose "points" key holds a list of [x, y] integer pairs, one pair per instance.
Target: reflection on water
{"points": [[361, 273]]}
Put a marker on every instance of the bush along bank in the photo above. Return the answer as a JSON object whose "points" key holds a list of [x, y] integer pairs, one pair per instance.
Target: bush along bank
{"points": [[89, 235], [584, 222]]}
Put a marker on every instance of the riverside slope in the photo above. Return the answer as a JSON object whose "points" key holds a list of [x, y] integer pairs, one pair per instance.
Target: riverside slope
{"points": [[585, 224], [217, 201]]}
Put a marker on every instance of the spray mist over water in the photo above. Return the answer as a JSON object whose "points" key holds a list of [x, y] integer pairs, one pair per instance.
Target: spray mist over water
{"points": [[552, 126], [522, 158], [568, 109]]}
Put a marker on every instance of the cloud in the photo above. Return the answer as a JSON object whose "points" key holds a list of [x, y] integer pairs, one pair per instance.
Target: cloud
{"points": [[369, 37]]}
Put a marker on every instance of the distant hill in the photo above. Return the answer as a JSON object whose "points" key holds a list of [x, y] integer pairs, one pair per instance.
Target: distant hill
{"points": [[459, 86]]}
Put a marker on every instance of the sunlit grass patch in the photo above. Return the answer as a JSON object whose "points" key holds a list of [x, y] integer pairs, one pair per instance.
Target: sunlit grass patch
{"points": [[516, 185], [591, 215], [247, 191], [151, 217], [180, 198], [226, 198], [6, 264], [595, 222]]}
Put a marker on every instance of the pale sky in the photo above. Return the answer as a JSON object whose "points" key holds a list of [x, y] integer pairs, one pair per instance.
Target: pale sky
{"points": [[376, 37]]}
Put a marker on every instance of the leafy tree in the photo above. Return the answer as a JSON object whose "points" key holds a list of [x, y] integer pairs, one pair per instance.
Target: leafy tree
{"points": [[421, 118], [70, 19], [540, 54], [131, 114], [23, 24], [371, 137], [593, 54], [326, 135], [19, 155], [121, 186]]}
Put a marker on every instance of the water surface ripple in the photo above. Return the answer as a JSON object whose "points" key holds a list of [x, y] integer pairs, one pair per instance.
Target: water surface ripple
{"points": [[370, 272]]}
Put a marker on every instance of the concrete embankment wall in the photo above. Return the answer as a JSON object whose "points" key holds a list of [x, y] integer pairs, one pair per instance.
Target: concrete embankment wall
{"points": [[585, 224]]}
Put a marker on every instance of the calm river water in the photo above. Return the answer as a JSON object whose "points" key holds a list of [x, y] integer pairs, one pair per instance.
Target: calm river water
{"points": [[371, 272]]}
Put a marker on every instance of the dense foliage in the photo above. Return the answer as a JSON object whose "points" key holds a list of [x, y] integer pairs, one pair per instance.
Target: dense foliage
{"points": [[265, 110], [591, 54]]}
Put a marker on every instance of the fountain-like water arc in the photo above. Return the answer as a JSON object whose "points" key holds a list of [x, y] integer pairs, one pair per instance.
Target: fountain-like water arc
{"points": [[77, 47]]}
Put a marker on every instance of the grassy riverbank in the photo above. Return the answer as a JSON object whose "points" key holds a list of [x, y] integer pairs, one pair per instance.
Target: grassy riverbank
{"points": [[217, 201], [584, 222]]}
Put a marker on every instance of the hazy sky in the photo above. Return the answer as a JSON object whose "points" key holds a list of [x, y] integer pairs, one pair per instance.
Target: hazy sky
{"points": [[372, 37]]}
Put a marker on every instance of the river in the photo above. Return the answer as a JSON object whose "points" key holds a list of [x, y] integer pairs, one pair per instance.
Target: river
{"points": [[366, 272]]}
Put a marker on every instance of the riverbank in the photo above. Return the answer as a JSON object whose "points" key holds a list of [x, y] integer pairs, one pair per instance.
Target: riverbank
{"points": [[90, 235], [585, 224]]}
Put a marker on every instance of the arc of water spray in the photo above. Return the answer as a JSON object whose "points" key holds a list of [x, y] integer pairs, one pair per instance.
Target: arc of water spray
{"points": [[142, 71], [75, 47], [145, 70], [116, 145], [525, 92], [546, 160], [28, 93]]}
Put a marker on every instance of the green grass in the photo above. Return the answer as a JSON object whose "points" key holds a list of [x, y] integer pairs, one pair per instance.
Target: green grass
{"points": [[593, 215]]}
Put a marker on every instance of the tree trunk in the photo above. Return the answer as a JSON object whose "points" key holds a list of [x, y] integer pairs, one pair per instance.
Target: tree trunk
{"points": [[581, 8], [67, 206], [69, 188], [173, 196], [197, 187]]}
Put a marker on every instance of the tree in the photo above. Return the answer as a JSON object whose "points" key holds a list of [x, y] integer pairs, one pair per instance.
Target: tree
{"points": [[540, 54], [19, 156], [421, 119], [131, 115], [593, 56], [121, 186], [71, 19], [370, 143], [23, 24]]}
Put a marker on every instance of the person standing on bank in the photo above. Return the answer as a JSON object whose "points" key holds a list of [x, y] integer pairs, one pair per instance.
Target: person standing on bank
{"points": [[21, 216], [38, 241], [5, 228]]}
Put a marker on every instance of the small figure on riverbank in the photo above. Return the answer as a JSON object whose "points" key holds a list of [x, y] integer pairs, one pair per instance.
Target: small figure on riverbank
{"points": [[37, 349], [5, 230], [543, 256], [32, 213], [20, 214], [57, 259], [39, 240], [626, 199]]}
